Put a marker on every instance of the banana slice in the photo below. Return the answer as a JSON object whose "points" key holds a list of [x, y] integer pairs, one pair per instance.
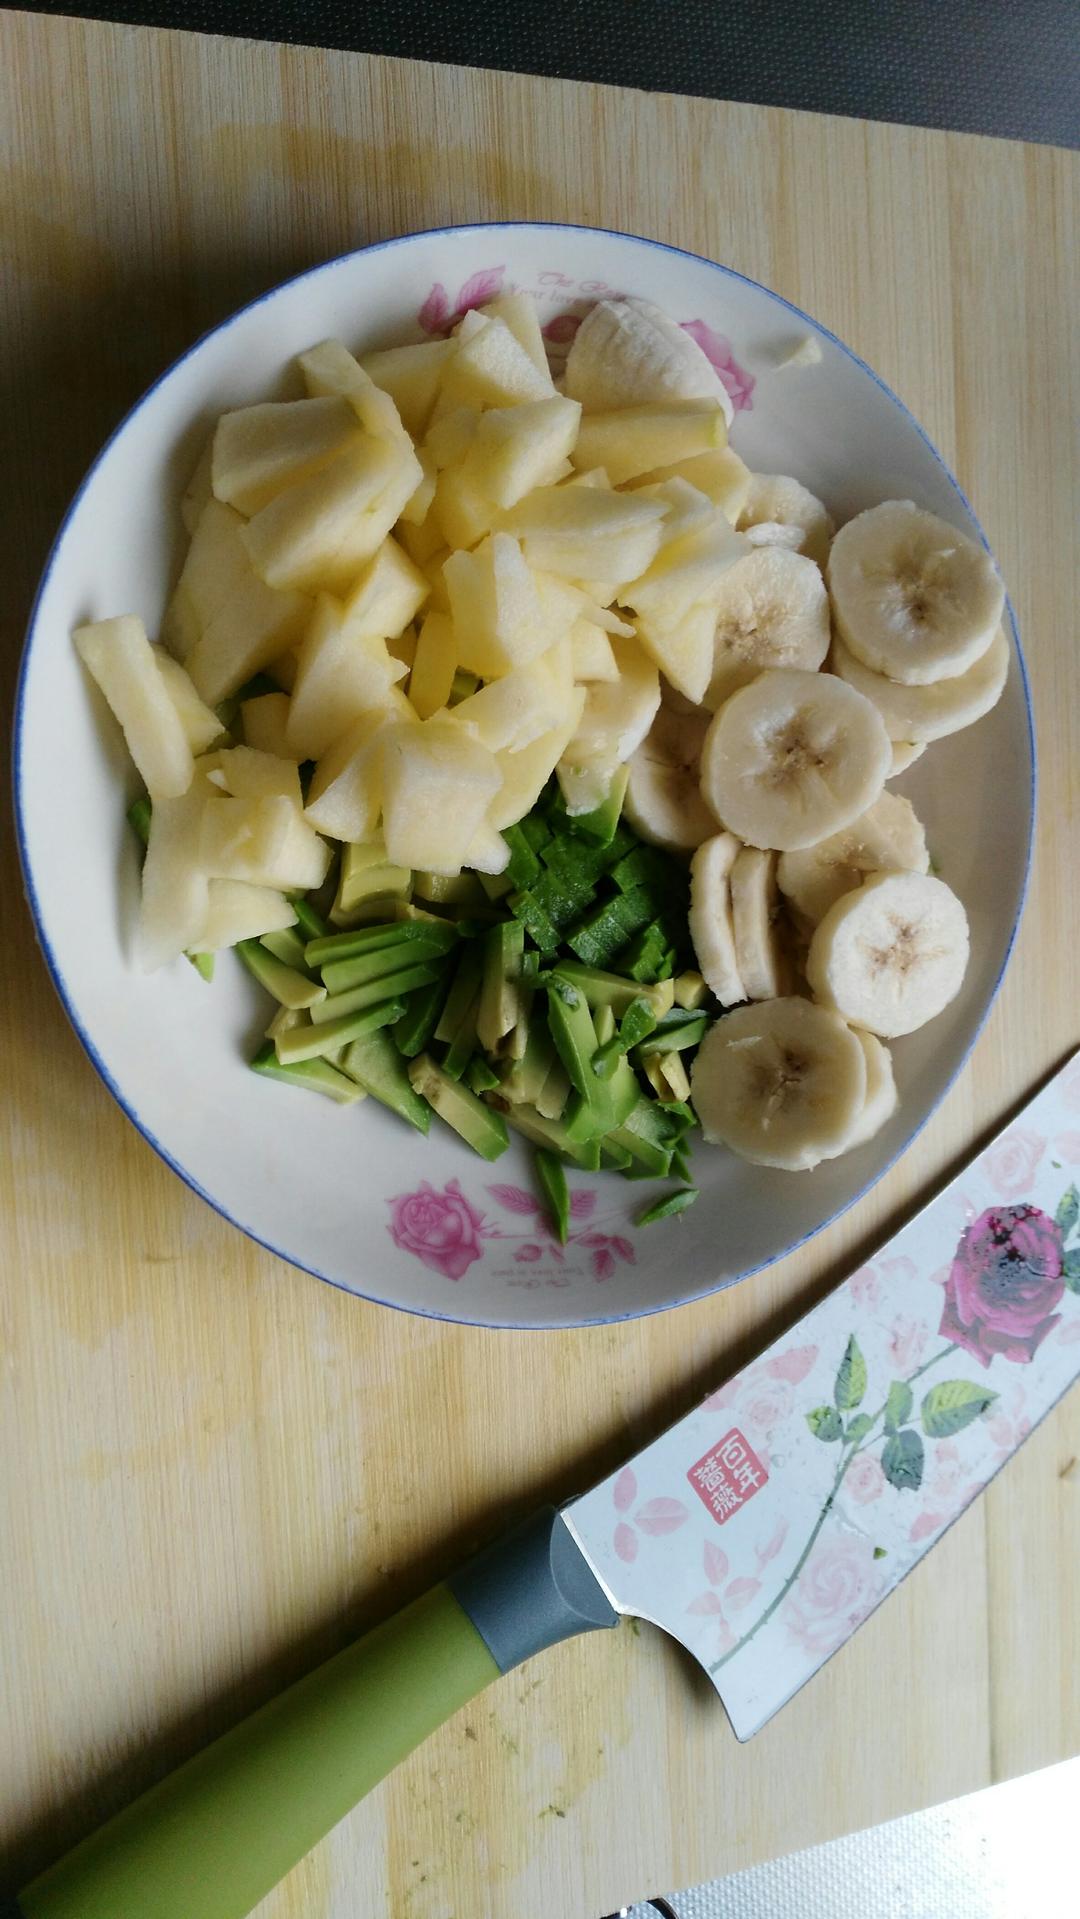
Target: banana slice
{"points": [[891, 955], [772, 609], [913, 598], [882, 1098], [922, 713], [904, 754], [755, 910], [783, 1083], [772, 533], [627, 353], [793, 757], [712, 929], [775, 500], [887, 838], [663, 800]]}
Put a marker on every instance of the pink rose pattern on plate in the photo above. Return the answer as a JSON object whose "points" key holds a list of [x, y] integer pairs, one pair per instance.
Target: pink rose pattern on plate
{"points": [[449, 1234], [440, 313]]}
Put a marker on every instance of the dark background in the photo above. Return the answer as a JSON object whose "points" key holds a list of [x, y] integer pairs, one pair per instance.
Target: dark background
{"points": [[1007, 67]]}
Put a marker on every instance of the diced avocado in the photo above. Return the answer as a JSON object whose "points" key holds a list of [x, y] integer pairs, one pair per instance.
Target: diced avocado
{"points": [[374, 1062], [316, 1074], [650, 955], [690, 990], [372, 992], [479, 1075], [284, 1018], [457, 1025], [611, 989], [139, 818], [666, 1075], [605, 930], [530, 968], [203, 964], [363, 880], [340, 975], [613, 1157], [638, 1020], [669, 1207], [290, 988], [453, 889], [552, 1133], [677, 1034], [479, 1125], [500, 993], [495, 885], [524, 866], [365, 939], [523, 1080], [600, 825], [647, 866], [288, 946], [311, 924], [680, 1161], [309, 1041], [535, 920], [606, 1105], [604, 1025], [535, 830], [462, 686], [552, 1177], [571, 1027], [416, 1027], [553, 1095], [646, 1143], [406, 910], [517, 1039]]}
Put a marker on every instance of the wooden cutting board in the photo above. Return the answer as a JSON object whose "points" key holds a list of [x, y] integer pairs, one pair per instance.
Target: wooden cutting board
{"points": [[213, 1467]]}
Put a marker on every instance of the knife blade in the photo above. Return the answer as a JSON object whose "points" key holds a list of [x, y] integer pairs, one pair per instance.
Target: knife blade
{"points": [[760, 1531]]}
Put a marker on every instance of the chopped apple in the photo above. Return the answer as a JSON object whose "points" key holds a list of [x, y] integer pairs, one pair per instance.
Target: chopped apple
{"points": [[402, 646], [487, 851], [345, 796], [451, 435], [509, 713], [434, 665], [437, 786], [223, 623], [264, 719], [461, 510], [319, 533], [199, 489], [340, 675], [526, 773], [518, 312], [592, 654], [686, 570], [199, 721], [683, 648], [410, 375], [262, 841], [489, 368], [388, 594], [250, 775], [686, 509], [121, 659], [172, 913], [331, 369], [618, 713], [421, 543], [633, 439], [721, 475], [418, 505], [261, 450], [588, 533], [216, 567], [516, 448], [237, 911], [283, 669], [501, 616]]}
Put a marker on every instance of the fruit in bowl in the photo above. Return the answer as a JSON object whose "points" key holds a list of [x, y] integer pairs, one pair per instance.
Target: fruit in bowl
{"points": [[514, 729]]}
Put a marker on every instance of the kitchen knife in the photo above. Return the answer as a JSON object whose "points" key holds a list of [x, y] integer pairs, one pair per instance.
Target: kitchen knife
{"points": [[760, 1531]]}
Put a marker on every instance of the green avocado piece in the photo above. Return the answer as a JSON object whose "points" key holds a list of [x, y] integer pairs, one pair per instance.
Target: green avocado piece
{"points": [[601, 824], [375, 1064], [606, 1106], [455, 889], [552, 1178], [366, 875], [480, 1076], [604, 1025], [500, 993], [604, 932], [571, 1027], [611, 989], [389, 986], [523, 1081], [414, 1030], [297, 991], [316, 1074], [288, 946], [367, 939], [339, 976], [551, 1133], [480, 1126], [311, 924], [308, 1041]]}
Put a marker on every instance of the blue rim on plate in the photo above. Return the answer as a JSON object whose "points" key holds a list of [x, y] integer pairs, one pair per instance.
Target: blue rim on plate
{"points": [[52, 963]]}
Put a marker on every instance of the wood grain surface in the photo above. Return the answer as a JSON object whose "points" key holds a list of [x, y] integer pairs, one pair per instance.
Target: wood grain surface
{"points": [[214, 1468]]}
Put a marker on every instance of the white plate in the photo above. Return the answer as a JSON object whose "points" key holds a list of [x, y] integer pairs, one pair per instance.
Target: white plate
{"points": [[352, 1194]]}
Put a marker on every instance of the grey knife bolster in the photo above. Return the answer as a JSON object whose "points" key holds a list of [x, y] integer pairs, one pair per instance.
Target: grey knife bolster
{"points": [[531, 1589]]}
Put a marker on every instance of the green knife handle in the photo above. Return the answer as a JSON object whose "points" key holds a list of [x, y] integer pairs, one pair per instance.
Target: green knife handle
{"points": [[212, 1839]]}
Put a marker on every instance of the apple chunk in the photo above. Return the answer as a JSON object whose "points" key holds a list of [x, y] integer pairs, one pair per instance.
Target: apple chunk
{"points": [[122, 661], [437, 786], [504, 615], [320, 532], [260, 450]]}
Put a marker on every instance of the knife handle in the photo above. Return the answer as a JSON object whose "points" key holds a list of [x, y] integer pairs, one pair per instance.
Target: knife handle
{"points": [[213, 1838]]}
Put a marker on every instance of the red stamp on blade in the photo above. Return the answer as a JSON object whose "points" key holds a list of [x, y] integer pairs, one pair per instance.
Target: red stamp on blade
{"points": [[729, 1474]]}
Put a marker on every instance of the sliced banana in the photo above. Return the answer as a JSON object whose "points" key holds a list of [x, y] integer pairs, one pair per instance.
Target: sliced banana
{"points": [[913, 598], [755, 910], [887, 838], [783, 1083], [663, 800], [891, 955], [904, 754], [772, 609], [775, 500], [793, 757], [922, 713], [772, 533], [627, 353], [882, 1098], [712, 928]]}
